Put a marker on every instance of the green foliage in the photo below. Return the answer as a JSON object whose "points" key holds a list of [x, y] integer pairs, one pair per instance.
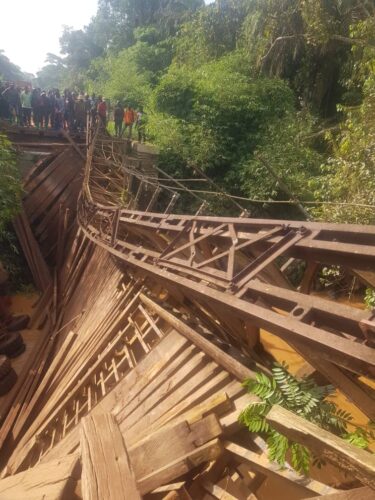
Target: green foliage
{"points": [[222, 119], [10, 202], [212, 33], [10, 183], [370, 298], [117, 78], [243, 89], [305, 398], [349, 177]]}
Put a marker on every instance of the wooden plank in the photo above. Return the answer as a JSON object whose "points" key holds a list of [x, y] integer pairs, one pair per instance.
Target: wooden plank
{"points": [[106, 470], [172, 397], [172, 442], [34, 257], [134, 382], [206, 453], [28, 406], [364, 493], [358, 462], [122, 411], [216, 491], [230, 364], [260, 463], [54, 480], [19, 392]]}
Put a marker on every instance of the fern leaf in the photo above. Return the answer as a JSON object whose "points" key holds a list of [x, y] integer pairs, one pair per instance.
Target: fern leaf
{"points": [[300, 458]]}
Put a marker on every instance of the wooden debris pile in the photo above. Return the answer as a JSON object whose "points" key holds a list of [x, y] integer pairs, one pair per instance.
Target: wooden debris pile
{"points": [[135, 385]]}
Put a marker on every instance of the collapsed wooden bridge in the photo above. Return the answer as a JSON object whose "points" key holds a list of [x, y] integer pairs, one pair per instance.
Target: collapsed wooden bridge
{"points": [[147, 325]]}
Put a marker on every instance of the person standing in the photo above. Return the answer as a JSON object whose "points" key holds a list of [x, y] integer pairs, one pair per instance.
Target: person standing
{"points": [[12, 96], [119, 117], [102, 112], [36, 107], [26, 107], [59, 111], [87, 108], [80, 113], [45, 110], [140, 125], [129, 119]]}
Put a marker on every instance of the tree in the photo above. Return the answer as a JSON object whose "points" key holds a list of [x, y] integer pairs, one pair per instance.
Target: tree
{"points": [[8, 70]]}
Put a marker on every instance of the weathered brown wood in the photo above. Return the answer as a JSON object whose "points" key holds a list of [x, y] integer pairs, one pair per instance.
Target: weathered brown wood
{"points": [[227, 362], [14, 401], [34, 257], [358, 462], [46, 381], [353, 356], [170, 443], [206, 453], [54, 480], [73, 144], [260, 463], [131, 385], [364, 493], [106, 470], [216, 491]]}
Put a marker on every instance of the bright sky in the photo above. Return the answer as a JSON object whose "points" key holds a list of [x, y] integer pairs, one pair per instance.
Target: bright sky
{"points": [[31, 28]]}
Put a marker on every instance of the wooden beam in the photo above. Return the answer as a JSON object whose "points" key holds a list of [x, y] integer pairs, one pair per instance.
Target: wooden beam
{"points": [[223, 359], [216, 491], [170, 443], [358, 462], [260, 463], [106, 470], [53, 480], [206, 453], [364, 493]]}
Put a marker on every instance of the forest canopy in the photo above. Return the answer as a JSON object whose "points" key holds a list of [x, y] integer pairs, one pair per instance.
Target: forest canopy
{"points": [[273, 99]]}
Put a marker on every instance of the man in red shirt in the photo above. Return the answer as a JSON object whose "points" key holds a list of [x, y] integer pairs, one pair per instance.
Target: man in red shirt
{"points": [[102, 111]]}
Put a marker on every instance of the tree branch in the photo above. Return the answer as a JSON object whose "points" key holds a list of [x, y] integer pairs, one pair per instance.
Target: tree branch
{"points": [[339, 38]]}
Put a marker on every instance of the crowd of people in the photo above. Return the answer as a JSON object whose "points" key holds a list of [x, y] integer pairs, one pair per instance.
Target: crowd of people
{"points": [[42, 109]]}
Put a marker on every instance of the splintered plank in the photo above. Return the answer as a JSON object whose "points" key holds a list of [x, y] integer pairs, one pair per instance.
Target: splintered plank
{"points": [[359, 462], [106, 470], [54, 480]]}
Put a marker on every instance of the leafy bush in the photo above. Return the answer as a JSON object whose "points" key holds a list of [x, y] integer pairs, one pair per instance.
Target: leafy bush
{"points": [[349, 176], [10, 183], [308, 400], [370, 298]]}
